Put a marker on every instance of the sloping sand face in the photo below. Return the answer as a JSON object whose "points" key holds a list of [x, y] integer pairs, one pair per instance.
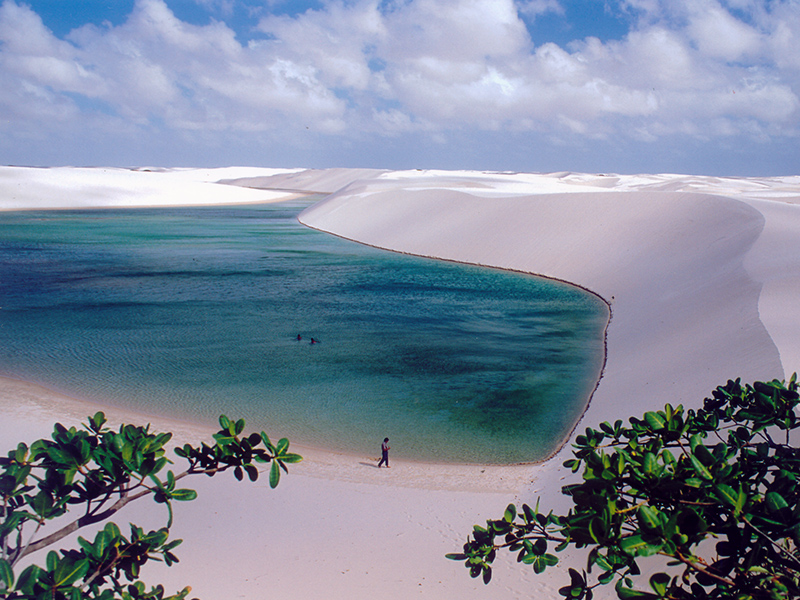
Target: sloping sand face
{"points": [[701, 275]]}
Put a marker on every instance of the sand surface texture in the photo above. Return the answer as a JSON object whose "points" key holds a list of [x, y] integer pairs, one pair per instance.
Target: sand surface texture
{"points": [[701, 275]]}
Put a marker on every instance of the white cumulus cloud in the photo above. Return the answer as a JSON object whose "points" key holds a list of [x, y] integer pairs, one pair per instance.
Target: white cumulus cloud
{"points": [[699, 68]]}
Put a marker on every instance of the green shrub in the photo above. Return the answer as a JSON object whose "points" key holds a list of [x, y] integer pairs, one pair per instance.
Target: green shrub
{"points": [[93, 473], [725, 474]]}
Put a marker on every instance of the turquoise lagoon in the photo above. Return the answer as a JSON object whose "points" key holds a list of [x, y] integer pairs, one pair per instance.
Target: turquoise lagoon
{"points": [[192, 312]]}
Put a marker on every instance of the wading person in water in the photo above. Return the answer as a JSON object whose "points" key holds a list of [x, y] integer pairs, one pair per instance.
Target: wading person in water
{"points": [[384, 453]]}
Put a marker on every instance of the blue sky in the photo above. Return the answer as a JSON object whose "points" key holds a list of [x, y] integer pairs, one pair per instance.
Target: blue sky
{"points": [[627, 86]]}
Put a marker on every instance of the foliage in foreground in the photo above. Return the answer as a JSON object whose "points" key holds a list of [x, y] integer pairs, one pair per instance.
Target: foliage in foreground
{"points": [[93, 473], [714, 492]]}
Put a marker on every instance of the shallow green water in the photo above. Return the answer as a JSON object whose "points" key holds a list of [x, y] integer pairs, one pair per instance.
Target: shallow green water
{"points": [[195, 311]]}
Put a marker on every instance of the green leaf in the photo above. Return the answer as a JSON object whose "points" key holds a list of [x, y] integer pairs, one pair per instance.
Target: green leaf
{"points": [[659, 582], [68, 572], [252, 472], [741, 500], [456, 556], [224, 422], [112, 530], [29, 577], [42, 503], [734, 499], [725, 494], [6, 574], [655, 420], [97, 421], [577, 588], [61, 457], [487, 574], [51, 561], [649, 517], [184, 495], [510, 513], [274, 475], [650, 464], [700, 468], [598, 529], [169, 514], [222, 439], [776, 502], [88, 547], [539, 546], [22, 453], [602, 562], [101, 542], [127, 453], [704, 455], [606, 577], [540, 562], [626, 593], [636, 545], [291, 458], [282, 447]]}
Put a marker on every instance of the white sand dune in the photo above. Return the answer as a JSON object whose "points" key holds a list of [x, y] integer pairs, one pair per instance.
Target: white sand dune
{"points": [[314, 181], [25, 188], [701, 275]]}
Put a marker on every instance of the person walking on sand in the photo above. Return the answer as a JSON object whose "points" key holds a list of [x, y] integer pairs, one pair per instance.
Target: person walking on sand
{"points": [[384, 453]]}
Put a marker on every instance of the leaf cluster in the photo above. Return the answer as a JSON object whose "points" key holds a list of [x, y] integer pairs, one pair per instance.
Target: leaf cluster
{"points": [[94, 472], [232, 450], [713, 491]]}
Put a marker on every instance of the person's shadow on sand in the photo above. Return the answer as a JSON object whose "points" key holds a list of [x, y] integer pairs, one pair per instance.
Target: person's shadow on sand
{"points": [[369, 464]]}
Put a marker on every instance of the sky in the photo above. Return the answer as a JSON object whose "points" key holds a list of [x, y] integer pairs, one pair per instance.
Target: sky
{"points": [[707, 87]]}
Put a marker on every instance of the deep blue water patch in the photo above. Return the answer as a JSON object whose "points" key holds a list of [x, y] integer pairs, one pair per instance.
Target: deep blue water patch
{"points": [[192, 312]]}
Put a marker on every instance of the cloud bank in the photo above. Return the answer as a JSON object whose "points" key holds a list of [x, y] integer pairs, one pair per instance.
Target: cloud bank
{"points": [[369, 76]]}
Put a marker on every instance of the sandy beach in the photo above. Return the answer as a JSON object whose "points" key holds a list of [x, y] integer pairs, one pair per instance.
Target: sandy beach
{"points": [[701, 275]]}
